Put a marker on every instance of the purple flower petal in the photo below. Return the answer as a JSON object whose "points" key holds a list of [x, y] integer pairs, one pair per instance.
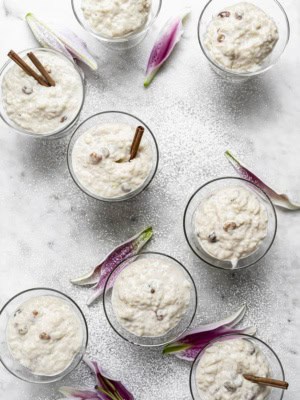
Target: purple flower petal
{"points": [[79, 393], [63, 40], [106, 388], [108, 383], [76, 46], [100, 274], [188, 346], [44, 35], [229, 322], [280, 200], [189, 354], [165, 44]]}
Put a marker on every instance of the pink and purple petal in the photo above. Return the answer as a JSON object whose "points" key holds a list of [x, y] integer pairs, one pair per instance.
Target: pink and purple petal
{"points": [[281, 200], [192, 342], [120, 254], [164, 45]]}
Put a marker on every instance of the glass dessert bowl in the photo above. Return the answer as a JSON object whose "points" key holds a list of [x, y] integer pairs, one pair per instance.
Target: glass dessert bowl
{"points": [[224, 28], [99, 156], [150, 299], [125, 27], [38, 110], [237, 355], [43, 335], [230, 223]]}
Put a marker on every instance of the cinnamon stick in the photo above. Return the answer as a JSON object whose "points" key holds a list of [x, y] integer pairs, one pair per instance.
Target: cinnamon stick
{"points": [[26, 68], [41, 68], [267, 381], [136, 142]]}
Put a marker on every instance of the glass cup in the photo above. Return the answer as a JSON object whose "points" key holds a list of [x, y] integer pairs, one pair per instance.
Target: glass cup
{"points": [[58, 133], [147, 341], [7, 359], [119, 43], [273, 9], [201, 195], [114, 117], [276, 368]]}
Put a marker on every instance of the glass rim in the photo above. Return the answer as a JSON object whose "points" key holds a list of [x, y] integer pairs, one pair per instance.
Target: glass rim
{"points": [[85, 345], [125, 39], [18, 128], [256, 188], [232, 72], [112, 199], [233, 335], [134, 257]]}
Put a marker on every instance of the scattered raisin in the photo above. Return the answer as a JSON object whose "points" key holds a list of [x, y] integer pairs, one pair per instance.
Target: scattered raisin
{"points": [[95, 158], [159, 316], [238, 16], [152, 291], [212, 237], [63, 119], [17, 312], [35, 313], [105, 152], [224, 14], [229, 226], [23, 330], [27, 90], [221, 38], [125, 187], [44, 336], [230, 387]]}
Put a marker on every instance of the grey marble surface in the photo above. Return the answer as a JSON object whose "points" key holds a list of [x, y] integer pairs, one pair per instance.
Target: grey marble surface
{"points": [[50, 231]]}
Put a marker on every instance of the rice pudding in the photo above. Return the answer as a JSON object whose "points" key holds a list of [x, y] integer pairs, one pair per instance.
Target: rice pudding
{"points": [[219, 374], [241, 37], [38, 109], [230, 224], [100, 161], [150, 297], [116, 18], [44, 335]]}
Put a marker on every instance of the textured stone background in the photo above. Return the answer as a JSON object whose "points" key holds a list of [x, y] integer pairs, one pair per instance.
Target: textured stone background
{"points": [[50, 231]]}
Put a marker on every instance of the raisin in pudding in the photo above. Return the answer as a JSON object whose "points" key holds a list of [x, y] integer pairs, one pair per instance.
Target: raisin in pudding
{"points": [[241, 37], [45, 335]]}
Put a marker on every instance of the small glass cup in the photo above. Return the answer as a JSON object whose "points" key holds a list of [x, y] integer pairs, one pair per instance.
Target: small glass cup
{"points": [[202, 194], [272, 8], [146, 341], [6, 358], [272, 358], [119, 43], [114, 117], [58, 133]]}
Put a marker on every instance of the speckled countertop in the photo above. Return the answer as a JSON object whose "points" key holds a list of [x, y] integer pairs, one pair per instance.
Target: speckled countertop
{"points": [[50, 231]]}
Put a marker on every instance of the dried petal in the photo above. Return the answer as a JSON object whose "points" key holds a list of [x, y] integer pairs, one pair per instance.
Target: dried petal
{"points": [[45, 36], [164, 45], [63, 40], [76, 46], [280, 200], [188, 346], [101, 272], [79, 393], [107, 383]]}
